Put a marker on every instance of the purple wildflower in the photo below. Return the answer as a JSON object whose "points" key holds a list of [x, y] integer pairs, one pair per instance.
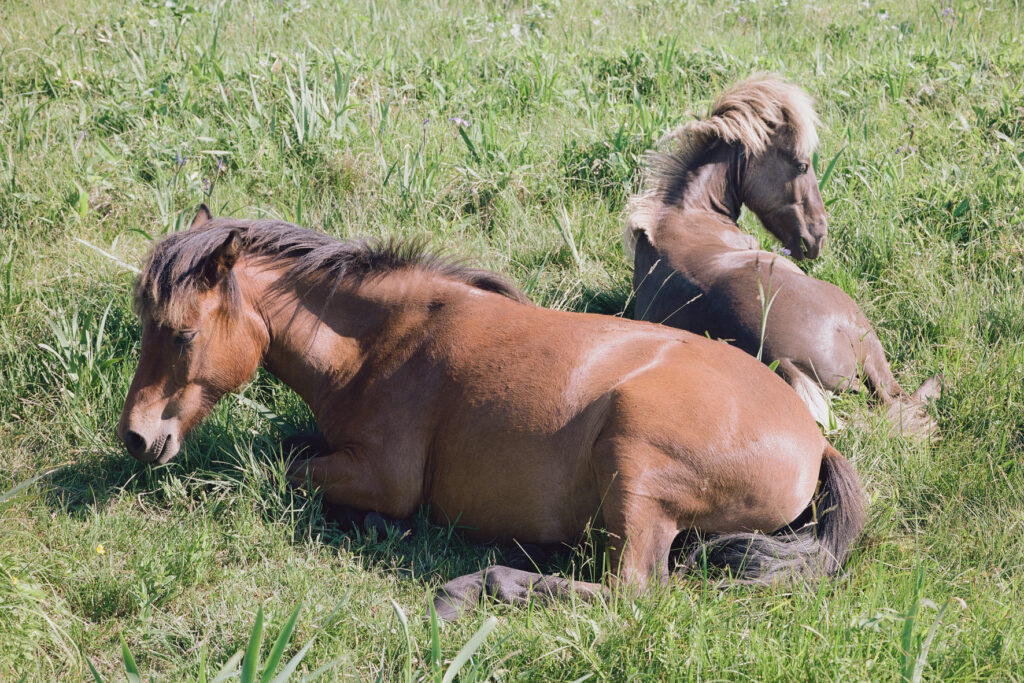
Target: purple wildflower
{"points": [[460, 122], [742, 19], [180, 159], [948, 12]]}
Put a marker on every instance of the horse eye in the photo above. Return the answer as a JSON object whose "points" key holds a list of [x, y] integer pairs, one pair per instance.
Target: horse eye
{"points": [[801, 168], [184, 338]]}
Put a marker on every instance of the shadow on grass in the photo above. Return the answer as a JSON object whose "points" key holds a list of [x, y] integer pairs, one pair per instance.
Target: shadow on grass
{"points": [[617, 301], [77, 488]]}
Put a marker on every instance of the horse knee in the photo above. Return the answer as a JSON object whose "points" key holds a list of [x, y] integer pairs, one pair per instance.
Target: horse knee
{"points": [[304, 447]]}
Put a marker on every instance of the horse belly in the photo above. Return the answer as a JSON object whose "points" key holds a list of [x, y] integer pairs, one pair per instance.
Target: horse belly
{"points": [[525, 492]]}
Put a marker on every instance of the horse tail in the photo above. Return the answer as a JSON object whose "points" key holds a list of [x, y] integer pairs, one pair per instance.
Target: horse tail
{"points": [[836, 517]]}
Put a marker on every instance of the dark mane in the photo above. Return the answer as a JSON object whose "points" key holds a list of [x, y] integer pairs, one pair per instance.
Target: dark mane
{"points": [[173, 273]]}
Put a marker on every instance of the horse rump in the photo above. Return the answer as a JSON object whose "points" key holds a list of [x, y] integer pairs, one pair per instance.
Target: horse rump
{"points": [[808, 549]]}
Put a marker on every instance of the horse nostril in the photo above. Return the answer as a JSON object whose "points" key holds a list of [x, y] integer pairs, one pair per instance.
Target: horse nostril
{"points": [[135, 442]]}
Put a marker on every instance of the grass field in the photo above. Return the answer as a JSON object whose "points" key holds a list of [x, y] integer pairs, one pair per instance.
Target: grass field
{"points": [[508, 134]]}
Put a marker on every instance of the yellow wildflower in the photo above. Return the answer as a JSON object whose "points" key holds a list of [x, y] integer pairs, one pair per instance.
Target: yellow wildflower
{"points": [[100, 550]]}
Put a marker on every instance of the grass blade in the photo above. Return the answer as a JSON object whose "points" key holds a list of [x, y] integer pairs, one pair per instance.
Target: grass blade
{"points": [[435, 639], [131, 670], [251, 661], [92, 669], [292, 664], [312, 676], [469, 144], [229, 670], [922, 656], [110, 256], [907, 638], [202, 663], [828, 171], [267, 414], [469, 649], [408, 640], [282, 642], [11, 493]]}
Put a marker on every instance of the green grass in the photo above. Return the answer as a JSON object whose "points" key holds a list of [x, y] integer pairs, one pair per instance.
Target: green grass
{"points": [[116, 121]]}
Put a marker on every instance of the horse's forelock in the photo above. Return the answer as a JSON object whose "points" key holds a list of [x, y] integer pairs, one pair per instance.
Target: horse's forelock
{"points": [[172, 278], [761, 111], [757, 113]]}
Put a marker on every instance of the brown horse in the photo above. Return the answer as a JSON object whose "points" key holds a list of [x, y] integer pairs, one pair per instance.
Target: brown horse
{"points": [[694, 269], [436, 384]]}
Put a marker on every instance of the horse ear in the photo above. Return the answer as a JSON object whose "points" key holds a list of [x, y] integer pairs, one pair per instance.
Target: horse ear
{"points": [[222, 259], [202, 216]]}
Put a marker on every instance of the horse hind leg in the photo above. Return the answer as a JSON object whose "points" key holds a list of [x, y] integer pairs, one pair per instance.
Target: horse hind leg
{"points": [[518, 587], [812, 546], [907, 413], [507, 585], [640, 540]]}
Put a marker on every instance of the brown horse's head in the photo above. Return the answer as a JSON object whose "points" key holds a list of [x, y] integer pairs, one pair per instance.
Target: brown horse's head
{"points": [[780, 186], [772, 127], [200, 339]]}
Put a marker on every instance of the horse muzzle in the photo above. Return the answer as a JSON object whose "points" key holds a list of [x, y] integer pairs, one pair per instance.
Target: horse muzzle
{"points": [[156, 446], [807, 245], [812, 247]]}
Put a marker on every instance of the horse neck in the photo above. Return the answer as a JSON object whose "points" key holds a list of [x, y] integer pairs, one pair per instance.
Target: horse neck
{"points": [[711, 184], [318, 331]]}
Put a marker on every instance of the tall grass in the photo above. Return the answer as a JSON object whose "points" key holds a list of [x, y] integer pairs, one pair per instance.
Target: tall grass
{"points": [[508, 134]]}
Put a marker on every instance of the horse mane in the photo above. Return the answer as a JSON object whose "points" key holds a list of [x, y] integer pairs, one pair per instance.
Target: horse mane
{"points": [[760, 112], [174, 272]]}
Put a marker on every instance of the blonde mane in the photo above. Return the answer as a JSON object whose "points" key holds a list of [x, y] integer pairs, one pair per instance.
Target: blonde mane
{"points": [[760, 112]]}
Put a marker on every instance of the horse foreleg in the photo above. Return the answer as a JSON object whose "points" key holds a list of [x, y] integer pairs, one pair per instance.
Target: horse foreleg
{"points": [[907, 413], [363, 483], [878, 373], [305, 446]]}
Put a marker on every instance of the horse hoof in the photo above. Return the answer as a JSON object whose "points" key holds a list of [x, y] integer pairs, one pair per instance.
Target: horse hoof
{"points": [[384, 525], [526, 556], [303, 447]]}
